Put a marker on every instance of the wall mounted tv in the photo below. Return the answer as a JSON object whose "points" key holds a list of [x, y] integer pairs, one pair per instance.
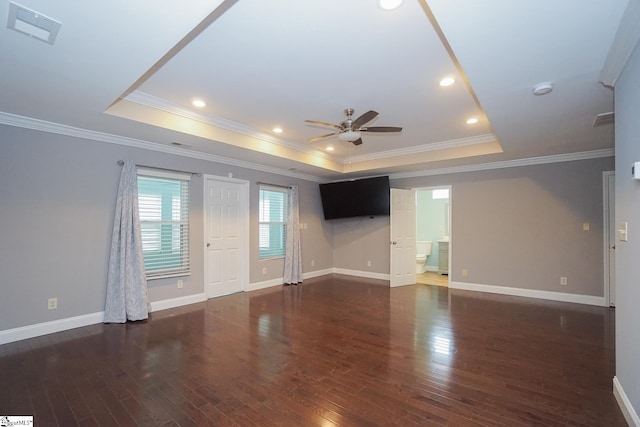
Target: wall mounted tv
{"points": [[361, 197]]}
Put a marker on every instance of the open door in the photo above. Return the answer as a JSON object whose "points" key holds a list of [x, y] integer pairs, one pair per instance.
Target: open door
{"points": [[403, 238], [610, 235]]}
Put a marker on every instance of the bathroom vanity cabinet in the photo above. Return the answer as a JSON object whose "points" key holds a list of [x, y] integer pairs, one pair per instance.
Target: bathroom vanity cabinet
{"points": [[443, 257]]}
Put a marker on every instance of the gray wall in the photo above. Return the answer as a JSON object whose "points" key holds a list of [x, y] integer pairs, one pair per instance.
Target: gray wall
{"points": [[515, 227], [627, 107], [356, 241], [57, 199]]}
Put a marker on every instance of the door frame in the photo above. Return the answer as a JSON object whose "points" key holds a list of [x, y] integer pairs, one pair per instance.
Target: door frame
{"points": [[244, 228], [436, 187], [607, 237]]}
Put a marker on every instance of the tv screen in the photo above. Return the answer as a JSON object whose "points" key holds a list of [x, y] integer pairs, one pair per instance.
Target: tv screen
{"points": [[362, 197]]}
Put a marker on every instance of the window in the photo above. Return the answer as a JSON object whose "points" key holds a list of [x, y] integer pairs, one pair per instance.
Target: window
{"points": [[163, 204], [273, 221], [440, 193]]}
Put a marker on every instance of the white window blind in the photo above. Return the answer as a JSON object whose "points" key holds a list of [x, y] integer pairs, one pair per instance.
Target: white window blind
{"points": [[273, 221], [163, 203]]}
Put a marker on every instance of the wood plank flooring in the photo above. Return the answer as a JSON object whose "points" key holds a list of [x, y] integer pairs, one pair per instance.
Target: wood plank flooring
{"points": [[432, 278], [329, 352]]}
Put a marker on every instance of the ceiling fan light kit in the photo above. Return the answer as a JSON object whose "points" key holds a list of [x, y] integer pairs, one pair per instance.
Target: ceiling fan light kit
{"points": [[349, 136], [349, 130]]}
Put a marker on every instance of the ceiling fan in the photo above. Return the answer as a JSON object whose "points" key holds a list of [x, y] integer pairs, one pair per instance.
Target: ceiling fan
{"points": [[349, 129]]}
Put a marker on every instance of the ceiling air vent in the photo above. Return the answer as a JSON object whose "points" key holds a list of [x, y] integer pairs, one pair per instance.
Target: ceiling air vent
{"points": [[604, 119], [32, 23]]}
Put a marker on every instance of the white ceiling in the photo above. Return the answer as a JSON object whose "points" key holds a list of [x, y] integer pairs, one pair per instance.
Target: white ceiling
{"points": [[131, 69]]}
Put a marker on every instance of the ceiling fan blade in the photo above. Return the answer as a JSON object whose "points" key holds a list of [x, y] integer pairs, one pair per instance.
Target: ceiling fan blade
{"points": [[331, 125], [318, 138], [357, 141], [365, 118], [381, 129]]}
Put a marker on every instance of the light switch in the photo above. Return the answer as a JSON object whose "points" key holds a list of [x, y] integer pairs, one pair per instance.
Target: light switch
{"points": [[622, 232]]}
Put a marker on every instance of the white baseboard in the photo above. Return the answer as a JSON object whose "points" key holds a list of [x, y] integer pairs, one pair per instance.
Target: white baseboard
{"points": [[177, 302], [280, 280], [530, 293], [45, 328], [626, 407], [359, 273], [266, 284], [317, 273], [31, 331]]}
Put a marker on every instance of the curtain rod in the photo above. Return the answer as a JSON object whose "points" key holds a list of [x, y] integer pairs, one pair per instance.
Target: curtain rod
{"points": [[273, 185], [121, 162]]}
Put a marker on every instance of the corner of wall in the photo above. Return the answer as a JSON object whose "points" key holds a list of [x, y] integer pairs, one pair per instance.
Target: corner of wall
{"points": [[630, 414]]}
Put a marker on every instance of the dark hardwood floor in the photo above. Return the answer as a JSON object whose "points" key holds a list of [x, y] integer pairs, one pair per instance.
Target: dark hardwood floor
{"points": [[331, 351]]}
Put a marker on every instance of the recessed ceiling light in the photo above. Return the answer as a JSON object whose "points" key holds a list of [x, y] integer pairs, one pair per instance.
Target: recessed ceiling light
{"points": [[389, 4], [330, 148], [277, 130], [199, 103], [472, 121], [447, 81]]}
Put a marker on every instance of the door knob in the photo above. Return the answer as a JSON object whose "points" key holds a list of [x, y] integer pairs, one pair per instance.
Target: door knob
{"points": [[208, 244], [394, 243]]}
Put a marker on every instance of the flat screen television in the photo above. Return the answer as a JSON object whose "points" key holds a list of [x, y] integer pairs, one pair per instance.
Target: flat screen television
{"points": [[361, 197]]}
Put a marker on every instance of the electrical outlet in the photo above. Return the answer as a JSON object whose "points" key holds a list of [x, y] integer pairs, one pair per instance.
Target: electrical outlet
{"points": [[180, 284], [264, 270], [313, 262], [563, 281], [465, 272], [368, 263], [586, 226], [52, 304]]}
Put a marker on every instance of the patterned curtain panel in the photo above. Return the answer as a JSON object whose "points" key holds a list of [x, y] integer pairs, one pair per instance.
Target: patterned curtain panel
{"points": [[292, 255], [127, 297]]}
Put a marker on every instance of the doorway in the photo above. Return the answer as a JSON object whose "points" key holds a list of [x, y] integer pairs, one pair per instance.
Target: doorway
{"points": [[609, 227], [433, 224], [226, 228]]}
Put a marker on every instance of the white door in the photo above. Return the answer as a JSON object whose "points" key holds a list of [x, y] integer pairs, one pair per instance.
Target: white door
{"points": [[226, 236], [403, 237], [610, 226]]}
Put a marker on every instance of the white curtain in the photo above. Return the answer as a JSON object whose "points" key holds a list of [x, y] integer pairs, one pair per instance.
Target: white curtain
{"points": [[127, 297], [292, 254]]}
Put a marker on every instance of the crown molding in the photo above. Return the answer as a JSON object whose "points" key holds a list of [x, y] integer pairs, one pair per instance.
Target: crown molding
{"points": [[529, 161], [60, 129], [142, 98], [624, 43], [441, 145]]}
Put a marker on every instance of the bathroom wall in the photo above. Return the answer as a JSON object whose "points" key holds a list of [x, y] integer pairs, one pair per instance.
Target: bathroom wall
{"points": [[432, 223]]}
